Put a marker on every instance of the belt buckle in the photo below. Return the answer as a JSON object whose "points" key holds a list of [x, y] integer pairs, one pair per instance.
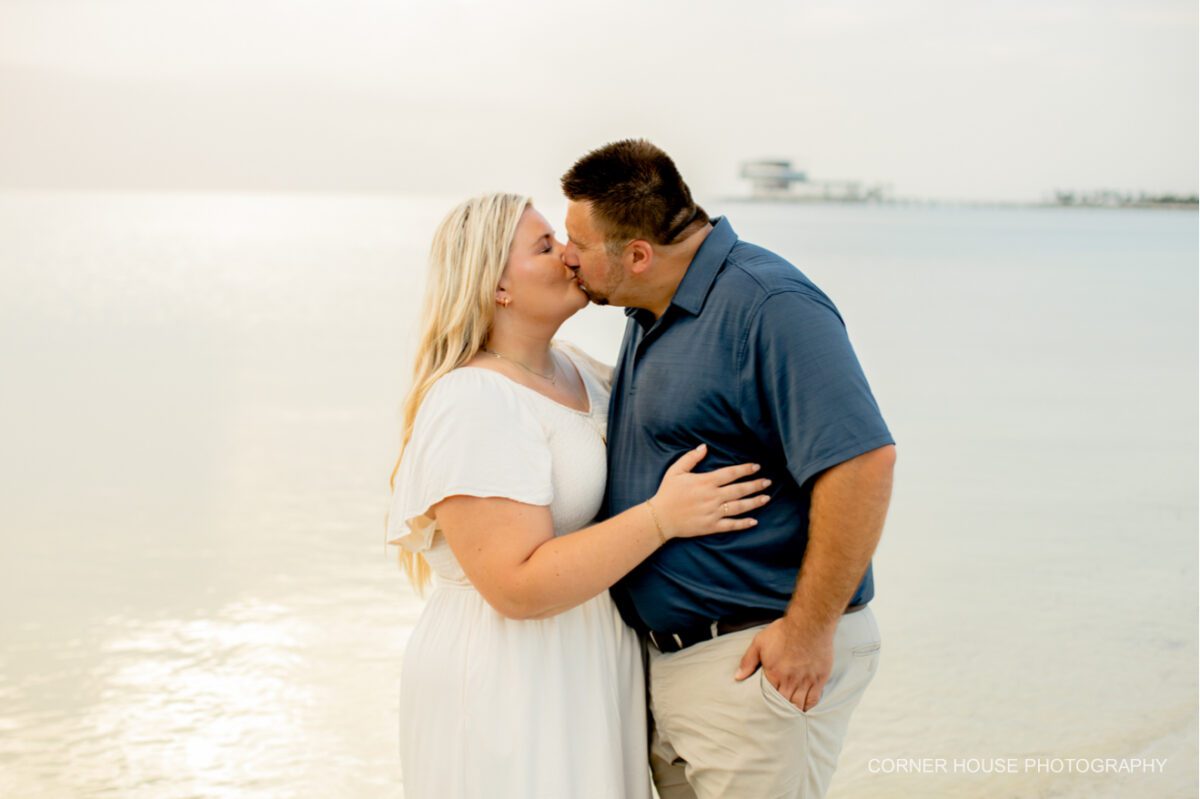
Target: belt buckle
{"points": [[666, 649], [674, 639], [677, 639]]}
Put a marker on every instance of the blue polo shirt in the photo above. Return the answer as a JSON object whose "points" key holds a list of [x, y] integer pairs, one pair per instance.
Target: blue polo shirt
{"points": [[752, 359]]}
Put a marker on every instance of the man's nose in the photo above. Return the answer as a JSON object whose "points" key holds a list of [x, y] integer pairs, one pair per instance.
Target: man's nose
{"points": [[568, 256]]}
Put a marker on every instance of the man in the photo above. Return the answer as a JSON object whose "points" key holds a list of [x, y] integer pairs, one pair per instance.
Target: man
{"points": [[760, 643]]}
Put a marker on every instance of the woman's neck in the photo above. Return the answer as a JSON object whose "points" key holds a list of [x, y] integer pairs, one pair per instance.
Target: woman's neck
{"points": [[530, 349]]}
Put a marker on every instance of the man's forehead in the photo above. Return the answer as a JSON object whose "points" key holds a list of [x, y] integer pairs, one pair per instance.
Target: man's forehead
{"points": [[579, 218]]}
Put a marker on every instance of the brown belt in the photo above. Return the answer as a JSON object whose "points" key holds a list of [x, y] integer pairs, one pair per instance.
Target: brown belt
{"points": [[673, 642]]}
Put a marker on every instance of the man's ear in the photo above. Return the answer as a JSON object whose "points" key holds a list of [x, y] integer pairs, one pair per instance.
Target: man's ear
{"points": [[639, 255]]}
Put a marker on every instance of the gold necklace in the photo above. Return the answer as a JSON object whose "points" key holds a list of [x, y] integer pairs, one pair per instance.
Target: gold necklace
{"points": [[551, 377]]}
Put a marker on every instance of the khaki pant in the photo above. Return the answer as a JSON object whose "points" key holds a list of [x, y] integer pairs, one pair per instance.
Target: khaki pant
{"points": [[715, 737]]}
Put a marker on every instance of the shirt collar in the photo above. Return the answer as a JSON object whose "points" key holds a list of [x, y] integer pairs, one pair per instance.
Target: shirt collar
{"points": [[706, 263], [697, 281]]}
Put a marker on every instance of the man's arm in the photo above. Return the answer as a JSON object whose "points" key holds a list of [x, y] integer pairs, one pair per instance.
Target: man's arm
{"points": [[803, 379], [849, 505]]}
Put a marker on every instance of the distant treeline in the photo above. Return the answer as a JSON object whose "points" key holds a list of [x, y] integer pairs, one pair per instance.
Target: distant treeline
{"points": [[1123, 199]]}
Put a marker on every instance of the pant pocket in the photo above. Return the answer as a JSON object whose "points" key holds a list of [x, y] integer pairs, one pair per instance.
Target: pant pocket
{"points": [[775, 700], [865, 650]]}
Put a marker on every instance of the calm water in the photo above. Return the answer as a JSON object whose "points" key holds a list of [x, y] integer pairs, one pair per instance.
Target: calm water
{"points": [[199, 413]]}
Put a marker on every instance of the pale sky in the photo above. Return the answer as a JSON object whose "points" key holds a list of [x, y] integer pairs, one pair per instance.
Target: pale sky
{"points": [[946, 99]]}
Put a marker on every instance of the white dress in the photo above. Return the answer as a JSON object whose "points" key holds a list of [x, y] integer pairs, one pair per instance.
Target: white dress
{"points": [[496, 708]]}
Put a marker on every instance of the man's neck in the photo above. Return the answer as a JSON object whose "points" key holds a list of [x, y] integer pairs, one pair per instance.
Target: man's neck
{"points": [[674, 262]]}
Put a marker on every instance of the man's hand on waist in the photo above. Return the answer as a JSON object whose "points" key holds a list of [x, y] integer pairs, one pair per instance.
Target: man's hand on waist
{"points": [[796, 658]]}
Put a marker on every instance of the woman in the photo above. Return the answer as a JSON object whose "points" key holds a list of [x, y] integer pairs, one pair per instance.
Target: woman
{"points": [[520, 679]]}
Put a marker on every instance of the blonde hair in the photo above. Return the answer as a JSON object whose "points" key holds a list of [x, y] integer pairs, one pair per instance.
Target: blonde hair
{"points": [[469, 252]]}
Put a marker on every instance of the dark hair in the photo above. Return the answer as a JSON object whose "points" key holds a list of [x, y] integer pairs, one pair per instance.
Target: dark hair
{"points": [[635, 192]]}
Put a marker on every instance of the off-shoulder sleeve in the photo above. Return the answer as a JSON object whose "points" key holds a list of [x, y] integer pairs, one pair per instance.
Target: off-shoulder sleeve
{"points": [[474, 435]]}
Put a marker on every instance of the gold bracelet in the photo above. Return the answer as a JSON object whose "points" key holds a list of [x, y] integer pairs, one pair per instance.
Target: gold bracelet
{"points": [[661, 535]]}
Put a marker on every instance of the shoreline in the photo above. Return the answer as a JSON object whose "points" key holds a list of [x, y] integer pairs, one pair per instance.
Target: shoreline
{"points": [[985, 204]]}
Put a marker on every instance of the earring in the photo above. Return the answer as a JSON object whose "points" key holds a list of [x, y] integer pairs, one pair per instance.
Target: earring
{"points": [[504, 301]]}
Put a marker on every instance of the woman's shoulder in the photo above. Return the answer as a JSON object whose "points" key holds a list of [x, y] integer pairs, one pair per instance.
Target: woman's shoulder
{"points": [[586, 363], [472, 391], [471, 381]]}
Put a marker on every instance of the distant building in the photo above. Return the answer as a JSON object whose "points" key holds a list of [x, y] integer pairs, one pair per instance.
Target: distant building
{"points": [[775, 179]]}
